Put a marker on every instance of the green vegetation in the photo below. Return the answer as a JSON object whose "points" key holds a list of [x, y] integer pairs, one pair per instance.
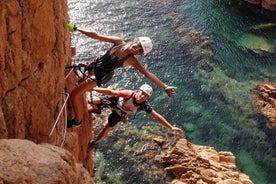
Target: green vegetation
{"points": [[103, 173], [248, 166]]}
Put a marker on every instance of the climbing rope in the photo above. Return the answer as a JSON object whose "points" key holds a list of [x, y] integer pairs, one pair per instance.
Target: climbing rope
{"points": [[69, 73], [65, 97]]}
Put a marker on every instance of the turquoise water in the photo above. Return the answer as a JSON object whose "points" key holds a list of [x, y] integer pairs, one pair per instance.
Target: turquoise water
{"points": [[215, 107]]}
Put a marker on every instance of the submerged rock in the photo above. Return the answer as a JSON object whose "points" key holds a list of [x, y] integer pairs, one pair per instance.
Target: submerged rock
{"points": [[263, 26], [256, 43]]}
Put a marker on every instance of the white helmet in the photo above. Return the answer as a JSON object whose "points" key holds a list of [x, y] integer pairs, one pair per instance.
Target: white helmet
{"points": [[146, 45], [147, 89]]}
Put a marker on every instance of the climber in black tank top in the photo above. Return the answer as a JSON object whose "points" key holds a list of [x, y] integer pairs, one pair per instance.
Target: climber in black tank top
{"points": [[121, 54], [104, 66]]}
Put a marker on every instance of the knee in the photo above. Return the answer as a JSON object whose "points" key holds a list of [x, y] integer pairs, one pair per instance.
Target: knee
{"points": [[80, 90]]}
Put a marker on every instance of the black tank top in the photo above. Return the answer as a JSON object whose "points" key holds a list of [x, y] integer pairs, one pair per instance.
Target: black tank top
{"points": [[106, 64]]}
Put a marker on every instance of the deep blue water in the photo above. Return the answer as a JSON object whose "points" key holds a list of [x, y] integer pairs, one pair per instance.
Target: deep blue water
{"points": [[215, 109]]}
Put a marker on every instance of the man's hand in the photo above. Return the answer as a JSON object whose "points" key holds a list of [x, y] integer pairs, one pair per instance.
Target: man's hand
{"points": [[170, 90], [176, 129]]}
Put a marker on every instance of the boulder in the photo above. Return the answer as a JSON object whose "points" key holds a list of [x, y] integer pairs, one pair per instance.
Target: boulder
{"points": [[23, 161]]}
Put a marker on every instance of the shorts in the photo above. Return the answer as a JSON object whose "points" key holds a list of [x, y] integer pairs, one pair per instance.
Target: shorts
{"points": [[113, 119]]}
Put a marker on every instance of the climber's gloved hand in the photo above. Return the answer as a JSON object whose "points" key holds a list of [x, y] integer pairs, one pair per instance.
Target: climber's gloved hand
{"points": [[170, 90], [71, 27]]}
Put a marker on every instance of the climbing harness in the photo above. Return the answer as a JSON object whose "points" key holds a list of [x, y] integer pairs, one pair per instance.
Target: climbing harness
{"points": [[81, 70], [112, 105]]}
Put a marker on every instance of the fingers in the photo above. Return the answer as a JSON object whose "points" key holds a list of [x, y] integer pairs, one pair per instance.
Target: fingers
{"points": [[170, 90], [170, 93], [176, 129]]}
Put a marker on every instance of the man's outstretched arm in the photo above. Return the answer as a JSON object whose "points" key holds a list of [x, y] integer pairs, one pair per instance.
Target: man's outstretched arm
{"points": [[160, 119]]}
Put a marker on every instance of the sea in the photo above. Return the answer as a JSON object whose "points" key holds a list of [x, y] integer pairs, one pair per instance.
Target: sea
{"points": [[214, 100]]}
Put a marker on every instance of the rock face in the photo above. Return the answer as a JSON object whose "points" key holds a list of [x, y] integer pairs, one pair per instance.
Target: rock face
{"points": [[35, 47], [201, 164], [266, 4], [34, 50], [265, 100], [23, 161]]}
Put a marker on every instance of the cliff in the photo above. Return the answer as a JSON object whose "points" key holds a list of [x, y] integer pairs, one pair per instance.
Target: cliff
{"points": [[34, 50]]}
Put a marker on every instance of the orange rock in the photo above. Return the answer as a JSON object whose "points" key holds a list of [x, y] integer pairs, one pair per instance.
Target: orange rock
{"points": [[265, 101], [202, 164], [158, 140], [35, 48]]}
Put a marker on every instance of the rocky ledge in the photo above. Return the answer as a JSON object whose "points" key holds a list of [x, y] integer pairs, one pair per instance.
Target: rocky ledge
{"points": [[192, 163]]}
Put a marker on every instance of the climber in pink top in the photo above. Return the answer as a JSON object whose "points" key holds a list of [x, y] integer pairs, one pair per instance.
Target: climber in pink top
{"points": [[122, 103]]}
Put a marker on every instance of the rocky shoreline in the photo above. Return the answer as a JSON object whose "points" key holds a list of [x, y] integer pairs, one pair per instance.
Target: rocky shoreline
{"points": [[143, 154]]}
